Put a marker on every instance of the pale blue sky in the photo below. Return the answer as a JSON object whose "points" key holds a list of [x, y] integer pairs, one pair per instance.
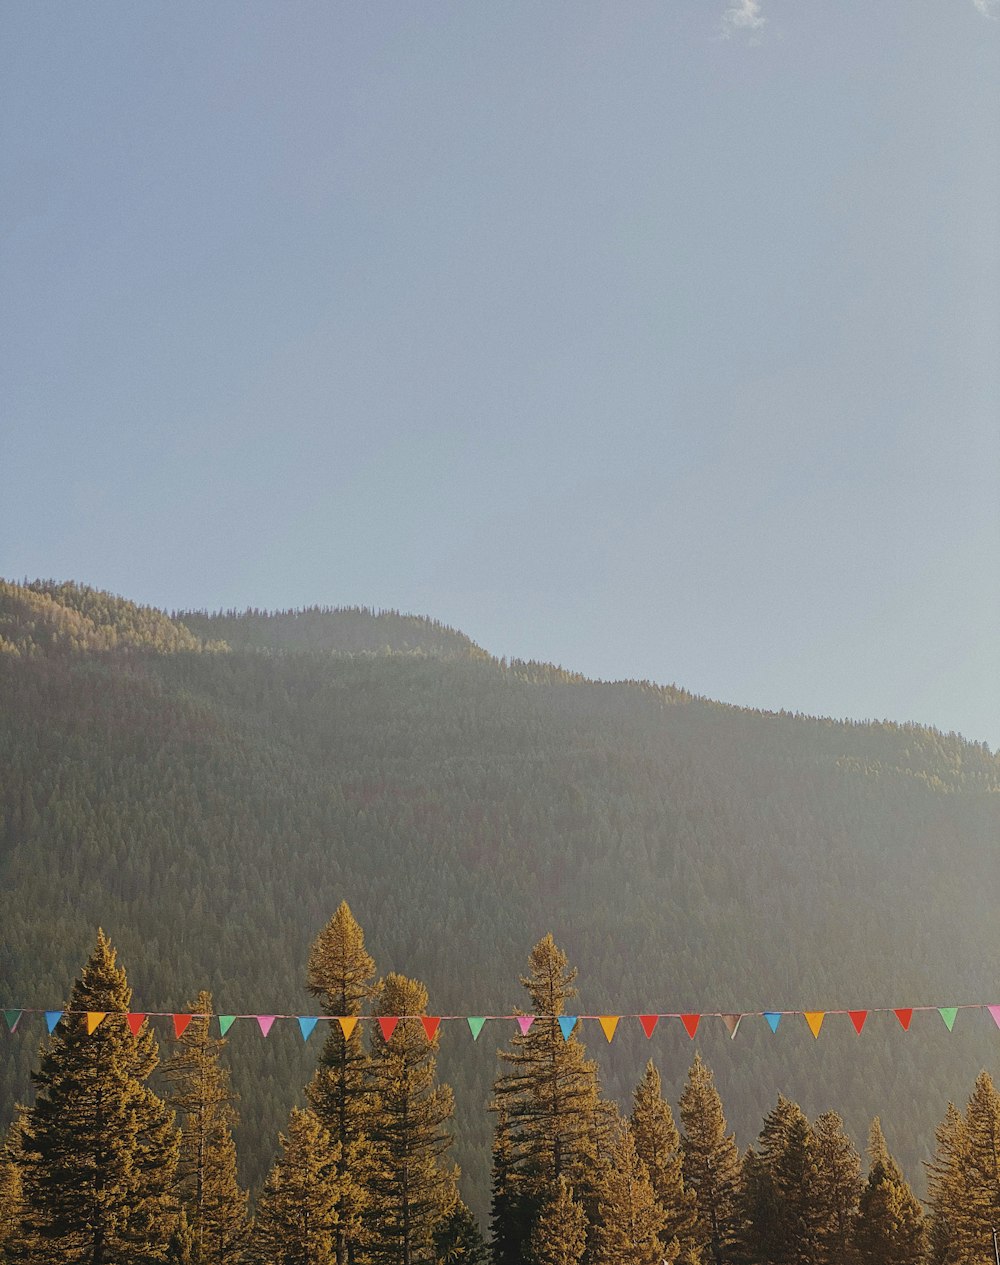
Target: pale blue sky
{"points": [[656, 339]]}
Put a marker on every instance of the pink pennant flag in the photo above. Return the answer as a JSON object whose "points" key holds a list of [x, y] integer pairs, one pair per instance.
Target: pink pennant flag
{"points": [[994, 1014], [180, 1024], [431, 1024], [649, 1023], [264, 1023], [524, 1022], [388, 1026]]}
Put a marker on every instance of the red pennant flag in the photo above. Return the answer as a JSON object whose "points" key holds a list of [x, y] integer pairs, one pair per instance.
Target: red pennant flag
{"points": [[649, 1023], [180, 1024], [135, 1022], [691, 1022], [904, 1017], [431, 1024], [388, 1026], [858, 1018]]}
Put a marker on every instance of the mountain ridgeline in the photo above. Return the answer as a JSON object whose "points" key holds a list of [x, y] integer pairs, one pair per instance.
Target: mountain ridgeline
{"points": [[209, 788]]}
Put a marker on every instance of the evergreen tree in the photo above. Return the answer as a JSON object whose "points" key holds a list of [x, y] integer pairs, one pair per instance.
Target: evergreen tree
{"points": [[340, 973], [549, 1100], [711, 1163], [947, 1192], [629, 1219], [837, 1189], [977, 1209], [457, 1240], [99, 1149], [781, 1217], [890, 1225], [11, 1189], [412, 1189], [659, 1147], [215, 1207], [559, 1235], [296, 1219]]}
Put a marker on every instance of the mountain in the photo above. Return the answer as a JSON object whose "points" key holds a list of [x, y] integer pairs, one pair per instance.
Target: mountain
{"points": [[208, 788]]}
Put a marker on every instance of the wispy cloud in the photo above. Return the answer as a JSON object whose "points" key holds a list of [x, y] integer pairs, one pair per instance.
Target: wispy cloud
{"points": [[988, 8], [743, 17]]}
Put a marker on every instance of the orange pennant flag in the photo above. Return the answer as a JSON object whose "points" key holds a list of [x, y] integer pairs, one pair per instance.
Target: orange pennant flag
{"points": [[180, 1024], [431, 1024], [858, 1018], [388, 1026], [814, 1018], [94, 1018], [347, 1025], [905, 1017], [608, 1024], [135, 1022], [690, 1022], [649, 1023]]}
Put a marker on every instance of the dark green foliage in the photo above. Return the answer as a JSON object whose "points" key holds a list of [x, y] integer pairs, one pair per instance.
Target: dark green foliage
{"points": [[890, 1226], [711, 1165], [297, 1218], [98, 1149], [659, 1146]]}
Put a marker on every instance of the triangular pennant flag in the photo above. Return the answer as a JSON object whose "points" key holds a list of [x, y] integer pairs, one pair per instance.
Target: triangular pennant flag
{"points": [[608, 1024], [524, 1022], [347, 1025], [180, 1024], [475, 1023], [388, 1026], [948, 1014], [12, 1016], [225, 1023], [264, 1023], [858, 1018], [732, 1022], [814, 1018], [649, 1023], [306, 1025], [52, 1017], [135, 1022], [995, 1014], [94, 1020], [773, 1018], [431, 1024], [567, 1023], [905, 1018], [691, 1022]]}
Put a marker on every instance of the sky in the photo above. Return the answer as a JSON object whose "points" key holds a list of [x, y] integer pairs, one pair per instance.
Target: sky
{"points": [[657, 340]]}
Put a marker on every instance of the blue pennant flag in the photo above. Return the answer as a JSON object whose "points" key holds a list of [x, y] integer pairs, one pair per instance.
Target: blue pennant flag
{"points": [[306, 1024], [773, 1018], [52, 1017], [567, 1023]]}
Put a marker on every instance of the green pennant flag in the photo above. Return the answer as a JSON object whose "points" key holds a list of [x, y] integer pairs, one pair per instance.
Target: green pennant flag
{"points": [[948, 1014], [475, 1023], [12, 1017], [225, 1023]]}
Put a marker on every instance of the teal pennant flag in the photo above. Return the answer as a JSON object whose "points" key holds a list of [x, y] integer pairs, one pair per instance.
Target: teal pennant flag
{"points": [[567, 1023]]}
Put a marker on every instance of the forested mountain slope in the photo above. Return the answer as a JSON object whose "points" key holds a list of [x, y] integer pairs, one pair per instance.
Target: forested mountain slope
{"points": [[211, 806]]}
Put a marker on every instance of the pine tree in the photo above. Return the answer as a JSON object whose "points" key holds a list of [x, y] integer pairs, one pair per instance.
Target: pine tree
{"points": [[296, 1219], [11, 1188], [99, 1149], [340, 972], [711, 1162], [659, 1147], [837, 1189], [890, 1225], [629, 1219], [549, 1100], [206, 1182], [412, 1189], [976, 1200], [781, 1217], [559, 1236], [947, 1192], [457, 1240]]}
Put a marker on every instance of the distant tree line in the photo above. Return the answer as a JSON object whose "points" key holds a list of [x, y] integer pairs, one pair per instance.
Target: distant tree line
{"points": [[126, 1160]]}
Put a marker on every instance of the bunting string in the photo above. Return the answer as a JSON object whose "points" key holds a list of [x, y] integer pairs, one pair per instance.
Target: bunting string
{"points": [[608, 1024]]}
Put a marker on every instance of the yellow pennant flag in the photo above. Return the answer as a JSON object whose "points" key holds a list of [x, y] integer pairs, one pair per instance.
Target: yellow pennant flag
{"points": [[347, 1025], [814, 1018], [94, 1018], [608, 1024]]}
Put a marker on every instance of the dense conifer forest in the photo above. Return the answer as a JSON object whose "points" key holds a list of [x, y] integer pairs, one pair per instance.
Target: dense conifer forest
{"points": [[209, 789]]}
